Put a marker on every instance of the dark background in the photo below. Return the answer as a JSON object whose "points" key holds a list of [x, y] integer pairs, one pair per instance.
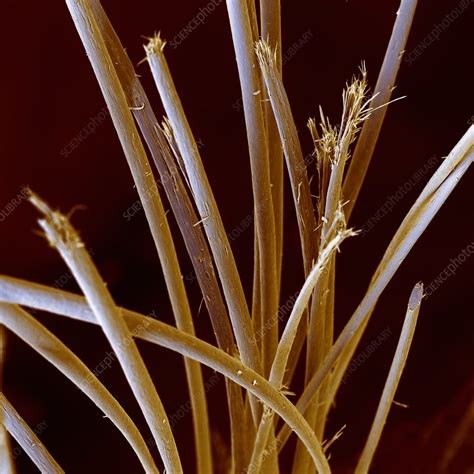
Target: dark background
{"points": [[49, 94]]}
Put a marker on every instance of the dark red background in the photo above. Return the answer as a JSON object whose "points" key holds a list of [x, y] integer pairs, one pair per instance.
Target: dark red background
{"points": [[49, 93]]}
